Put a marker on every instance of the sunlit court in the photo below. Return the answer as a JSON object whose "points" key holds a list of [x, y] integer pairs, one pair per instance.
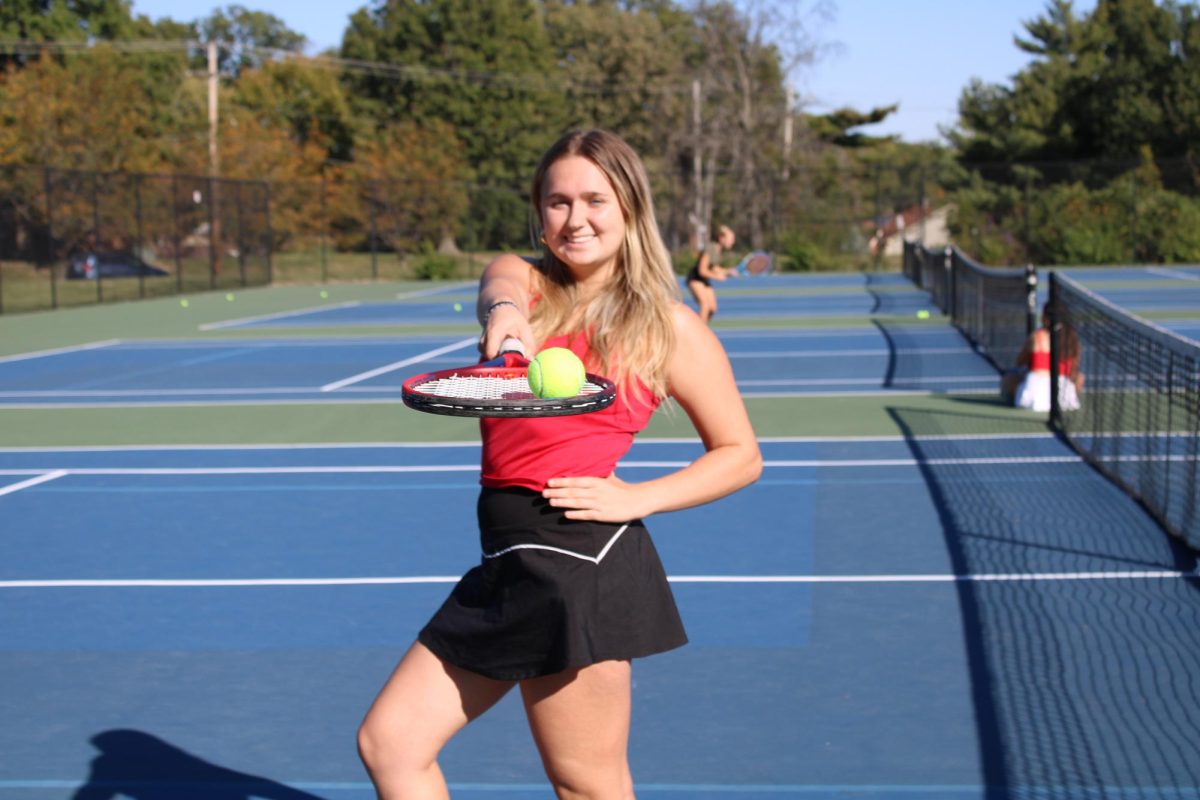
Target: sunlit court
{"points": [[578, 399]]}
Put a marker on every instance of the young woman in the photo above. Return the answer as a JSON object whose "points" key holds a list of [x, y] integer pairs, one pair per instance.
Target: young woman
{"points": [[570, 587], [1028, 385], [708, 269]]}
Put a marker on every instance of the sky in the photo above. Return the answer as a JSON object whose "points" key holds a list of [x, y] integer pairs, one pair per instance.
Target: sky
{"points": [[917, 53]]}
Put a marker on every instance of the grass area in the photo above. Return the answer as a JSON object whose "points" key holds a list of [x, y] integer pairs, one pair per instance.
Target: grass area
{"points": [[393, 422]]}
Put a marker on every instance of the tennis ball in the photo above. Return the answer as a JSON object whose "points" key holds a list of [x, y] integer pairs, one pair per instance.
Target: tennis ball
{"points": [[458, 306], [183, 303], [324, 295], [229, 297], [922, 314], [556, 372]]}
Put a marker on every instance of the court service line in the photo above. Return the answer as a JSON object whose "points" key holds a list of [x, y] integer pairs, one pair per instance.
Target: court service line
{"points": [[362, 376], [879, 351], [651, 440], [454, 287], [638, 464], [422, 580], [44, 478], [229, 323], [1173, 273], [59, 351]]}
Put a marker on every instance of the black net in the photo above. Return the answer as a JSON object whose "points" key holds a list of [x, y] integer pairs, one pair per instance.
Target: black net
{"points": [[994, 308], [1138, 419]]}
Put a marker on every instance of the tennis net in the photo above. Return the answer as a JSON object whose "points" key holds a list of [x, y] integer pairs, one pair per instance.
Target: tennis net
{"points": [[1138, 420], [996, 309]]}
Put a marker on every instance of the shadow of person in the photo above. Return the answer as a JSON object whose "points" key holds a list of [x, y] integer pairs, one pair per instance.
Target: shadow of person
{"points": [[137, 765]]}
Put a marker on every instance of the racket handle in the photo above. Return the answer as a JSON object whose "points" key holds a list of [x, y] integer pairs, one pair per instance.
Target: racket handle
{"points": [[512, 345]]}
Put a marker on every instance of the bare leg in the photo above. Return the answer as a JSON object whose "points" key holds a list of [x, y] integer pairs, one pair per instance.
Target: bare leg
{"points": [[580, 721], [1009, 383], [705, 297], [423, 704]]}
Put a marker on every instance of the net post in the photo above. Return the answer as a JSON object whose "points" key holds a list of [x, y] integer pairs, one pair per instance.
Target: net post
{"points": [[1055, 345], [1031, 287], [948, 283]]}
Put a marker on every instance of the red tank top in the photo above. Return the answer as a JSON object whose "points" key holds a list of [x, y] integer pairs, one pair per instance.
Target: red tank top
{"points": [[528, 452], [1039, 359]]}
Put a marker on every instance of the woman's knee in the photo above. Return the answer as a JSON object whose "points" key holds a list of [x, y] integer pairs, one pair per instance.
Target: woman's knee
{"points": [[590, 778]]}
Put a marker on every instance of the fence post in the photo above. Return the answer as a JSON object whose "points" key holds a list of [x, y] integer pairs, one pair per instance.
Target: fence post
{"points": [[137, 235], [374, 231], [176, 239], [95, 248], [270, 237], [1055, 353], [1031, 285], [324, 233], [48, 182], [212, 233]]}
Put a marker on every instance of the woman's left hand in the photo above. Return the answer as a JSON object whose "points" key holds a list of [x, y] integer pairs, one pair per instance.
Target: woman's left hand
{"points": [[599, 499]]}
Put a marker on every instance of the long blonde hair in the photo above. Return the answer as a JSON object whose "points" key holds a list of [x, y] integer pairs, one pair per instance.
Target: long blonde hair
{"points": [[629, 323]]}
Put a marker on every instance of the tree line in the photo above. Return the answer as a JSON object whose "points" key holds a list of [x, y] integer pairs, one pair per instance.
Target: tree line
{"points": [[420, 129]]}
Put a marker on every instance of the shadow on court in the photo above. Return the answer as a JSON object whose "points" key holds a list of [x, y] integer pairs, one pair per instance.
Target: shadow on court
{"points": [[1081, 679], [143, 767]]}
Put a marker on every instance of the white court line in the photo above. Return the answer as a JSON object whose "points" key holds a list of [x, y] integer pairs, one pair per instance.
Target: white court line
{"points": [[43, 478], [229, 323], [59, 351], [362, 376], [852, 353], [632, 464], [1008, 577], [869, 381], [454, 287], [683, 440], [1172, 273]]}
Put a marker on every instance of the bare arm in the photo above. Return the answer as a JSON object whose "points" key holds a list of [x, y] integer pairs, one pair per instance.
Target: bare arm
{"points": [[508, 279], [701, 380], [708, 269]]}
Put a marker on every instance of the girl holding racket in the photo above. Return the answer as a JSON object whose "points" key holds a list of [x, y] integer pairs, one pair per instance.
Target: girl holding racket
{"points": [[708, 269], [570, 588]]}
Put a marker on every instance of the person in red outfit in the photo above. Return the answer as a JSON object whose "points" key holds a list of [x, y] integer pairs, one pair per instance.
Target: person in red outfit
{"points": [[1028, 385], [570, 588]]}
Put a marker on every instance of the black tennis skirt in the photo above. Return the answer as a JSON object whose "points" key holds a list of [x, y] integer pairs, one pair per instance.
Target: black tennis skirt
{"points": [[552, 593]]}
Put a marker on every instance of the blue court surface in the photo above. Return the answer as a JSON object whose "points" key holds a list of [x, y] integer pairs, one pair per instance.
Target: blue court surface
{"points": [[925, 613]]}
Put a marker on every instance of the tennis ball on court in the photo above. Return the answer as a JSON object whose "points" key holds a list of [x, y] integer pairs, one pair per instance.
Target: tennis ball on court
{"points": [[556, 372], [229, 297], [458, 306], [922, 314], [183, 303], [324, 294]]}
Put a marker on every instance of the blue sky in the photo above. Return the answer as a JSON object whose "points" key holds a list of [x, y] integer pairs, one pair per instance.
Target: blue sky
{"points": [[918, 53]]}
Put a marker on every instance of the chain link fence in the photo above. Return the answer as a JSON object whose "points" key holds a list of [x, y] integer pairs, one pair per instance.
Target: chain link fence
{"points": [[71, 237]]}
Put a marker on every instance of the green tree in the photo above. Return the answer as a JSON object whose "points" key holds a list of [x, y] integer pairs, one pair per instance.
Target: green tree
{"points": [[243, 35], [485, 69]]}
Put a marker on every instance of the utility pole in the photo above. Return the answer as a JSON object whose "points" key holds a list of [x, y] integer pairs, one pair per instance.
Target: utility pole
{"points": [[787, 134], [214, 166]]}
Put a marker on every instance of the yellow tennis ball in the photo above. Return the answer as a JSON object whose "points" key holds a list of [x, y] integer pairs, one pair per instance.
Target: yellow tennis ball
{"points": [[556, 372]]}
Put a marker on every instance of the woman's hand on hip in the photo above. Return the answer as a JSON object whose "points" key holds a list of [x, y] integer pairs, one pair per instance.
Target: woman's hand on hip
{"points": [[598, 499]]}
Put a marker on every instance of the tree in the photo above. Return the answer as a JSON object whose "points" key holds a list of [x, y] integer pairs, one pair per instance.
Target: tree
{"points": [[243, 35], [484, 69], [1100, 86]]}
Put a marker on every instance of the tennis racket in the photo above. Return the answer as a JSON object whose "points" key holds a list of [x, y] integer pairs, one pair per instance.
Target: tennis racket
{"points": [[499, 388], [758, 262]]}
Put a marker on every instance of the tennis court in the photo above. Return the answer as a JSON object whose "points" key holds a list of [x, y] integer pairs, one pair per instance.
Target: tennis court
{"points": [[221, 530]]}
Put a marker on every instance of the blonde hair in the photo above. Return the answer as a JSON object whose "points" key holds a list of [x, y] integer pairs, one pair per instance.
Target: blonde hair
{"points": [[629, 323]]}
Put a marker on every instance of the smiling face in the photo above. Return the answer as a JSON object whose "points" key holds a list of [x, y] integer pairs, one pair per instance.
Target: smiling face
{"points": [[582, 219]]}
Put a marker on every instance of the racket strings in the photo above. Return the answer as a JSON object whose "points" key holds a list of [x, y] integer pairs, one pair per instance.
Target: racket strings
{"points": [[491, 387]]}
